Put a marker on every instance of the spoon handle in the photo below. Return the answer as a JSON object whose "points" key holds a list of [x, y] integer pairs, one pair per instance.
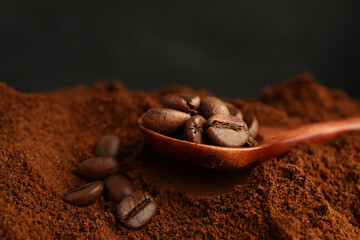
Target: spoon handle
{"points": [[281, 141], [320, 132], [314, 133]]}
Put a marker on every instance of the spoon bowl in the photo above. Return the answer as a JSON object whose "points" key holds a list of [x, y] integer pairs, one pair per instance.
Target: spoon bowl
{"points": [[273, 142]]}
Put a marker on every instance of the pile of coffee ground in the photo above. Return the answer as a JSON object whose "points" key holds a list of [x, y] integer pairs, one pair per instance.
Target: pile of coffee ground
{"points": [[312, 192]]}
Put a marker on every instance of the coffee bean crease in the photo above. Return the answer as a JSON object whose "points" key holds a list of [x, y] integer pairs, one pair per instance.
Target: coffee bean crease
{"points": [[227, 125]]}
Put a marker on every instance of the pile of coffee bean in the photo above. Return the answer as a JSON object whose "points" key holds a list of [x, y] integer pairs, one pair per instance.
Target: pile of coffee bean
{"points": [[135, 208], [208, 121]]}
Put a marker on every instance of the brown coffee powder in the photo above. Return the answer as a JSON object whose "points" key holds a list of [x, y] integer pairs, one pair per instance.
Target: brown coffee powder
{"points": [[312, 192]]}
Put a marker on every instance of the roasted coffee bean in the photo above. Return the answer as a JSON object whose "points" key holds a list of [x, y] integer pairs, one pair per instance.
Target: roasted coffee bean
{"points": [[253, 125], [116, 187], [194, 128], [234, 111], [164, 120], [182, 101], [135, 210], [84, 195], [227, 130], [108, 146], [97, 168], [211, 105], [193, 113], [251, 142]]}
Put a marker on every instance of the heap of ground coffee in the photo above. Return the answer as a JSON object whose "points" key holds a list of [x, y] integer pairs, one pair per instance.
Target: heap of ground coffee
{"points": [[312, 192]]}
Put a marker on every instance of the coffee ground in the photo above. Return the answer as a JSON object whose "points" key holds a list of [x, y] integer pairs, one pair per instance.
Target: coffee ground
{"points": [[312, 192]]}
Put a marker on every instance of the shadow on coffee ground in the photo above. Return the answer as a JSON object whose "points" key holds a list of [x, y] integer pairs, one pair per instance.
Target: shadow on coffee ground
{"points": [[176, 176]]}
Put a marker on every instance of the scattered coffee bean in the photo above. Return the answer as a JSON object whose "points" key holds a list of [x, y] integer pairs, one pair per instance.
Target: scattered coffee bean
{"points": [[182, 101], [108, 146], [211, 105], [227, 130], [164, 120], [85, 195], [135, 210], [116, 187], [234, 111], [253, 125], [194, 128], [97, 168]]}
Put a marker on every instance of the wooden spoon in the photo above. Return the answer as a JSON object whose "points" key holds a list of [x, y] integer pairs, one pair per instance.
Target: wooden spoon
{"points": [[273, 142]]}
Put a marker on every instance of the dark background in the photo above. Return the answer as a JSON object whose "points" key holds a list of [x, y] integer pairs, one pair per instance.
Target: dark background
{"points": [[232, 48]]}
